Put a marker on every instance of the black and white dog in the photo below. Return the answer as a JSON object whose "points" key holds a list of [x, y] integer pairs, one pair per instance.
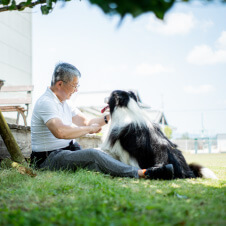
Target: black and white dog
{"points": [[133, 139]]}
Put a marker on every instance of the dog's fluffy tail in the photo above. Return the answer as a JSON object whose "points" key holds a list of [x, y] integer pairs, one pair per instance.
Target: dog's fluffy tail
{"points": [[201, 171]]}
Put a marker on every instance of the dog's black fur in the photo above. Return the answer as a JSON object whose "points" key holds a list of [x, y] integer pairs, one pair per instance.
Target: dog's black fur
{"points": [[134, 140]]}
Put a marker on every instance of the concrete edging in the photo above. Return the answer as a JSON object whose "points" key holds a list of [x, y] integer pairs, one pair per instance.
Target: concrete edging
{"points": [[22, 134]]}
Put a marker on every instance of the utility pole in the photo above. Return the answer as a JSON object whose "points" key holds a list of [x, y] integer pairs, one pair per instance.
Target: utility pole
{"points": [[203, 130], [162, 102]]}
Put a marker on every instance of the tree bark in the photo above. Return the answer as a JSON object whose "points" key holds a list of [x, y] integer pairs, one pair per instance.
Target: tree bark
{"points": [[7, 163], [10, 141]]}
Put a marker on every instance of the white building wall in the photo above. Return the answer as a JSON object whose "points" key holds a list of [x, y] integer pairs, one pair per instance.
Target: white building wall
{"points": [[16, 47], [16, 53]]}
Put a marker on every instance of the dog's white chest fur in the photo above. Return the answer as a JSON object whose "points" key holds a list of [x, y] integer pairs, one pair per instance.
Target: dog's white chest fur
{"points": [[117, 152], [120, 118]]}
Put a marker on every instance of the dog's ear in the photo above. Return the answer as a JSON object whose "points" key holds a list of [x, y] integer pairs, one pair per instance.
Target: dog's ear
{"points": [[132, 94]]}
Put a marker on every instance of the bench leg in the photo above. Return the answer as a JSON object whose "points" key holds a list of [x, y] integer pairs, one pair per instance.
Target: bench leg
{"points": [[18, 116], [24, 117]]}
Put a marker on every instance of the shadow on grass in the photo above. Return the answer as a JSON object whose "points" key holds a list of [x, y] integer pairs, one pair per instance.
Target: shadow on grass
{"points": [[88, 198]]}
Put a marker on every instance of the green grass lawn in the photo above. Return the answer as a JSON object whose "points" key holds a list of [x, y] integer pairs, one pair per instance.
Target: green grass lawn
{"points": [[88, 198]]}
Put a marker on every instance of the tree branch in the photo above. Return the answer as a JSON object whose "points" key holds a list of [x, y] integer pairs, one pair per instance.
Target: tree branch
{"points": [[22, 6]]}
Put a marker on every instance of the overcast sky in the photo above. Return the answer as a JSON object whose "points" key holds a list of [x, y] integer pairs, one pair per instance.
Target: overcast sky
{"points": [[178, 65]]}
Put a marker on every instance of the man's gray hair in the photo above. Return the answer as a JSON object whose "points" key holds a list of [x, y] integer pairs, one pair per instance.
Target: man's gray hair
{"points": [[64, 72]]}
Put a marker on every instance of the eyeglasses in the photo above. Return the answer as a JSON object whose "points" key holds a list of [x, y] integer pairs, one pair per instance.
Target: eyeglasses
{"points": [[74, 87]]}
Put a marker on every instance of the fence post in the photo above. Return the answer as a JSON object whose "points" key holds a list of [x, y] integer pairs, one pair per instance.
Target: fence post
{"points": [[196, 145], [209, 142]]}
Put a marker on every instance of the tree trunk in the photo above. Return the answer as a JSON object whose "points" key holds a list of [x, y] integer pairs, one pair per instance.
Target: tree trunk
{"points": [[7, 163], [10, 141]]}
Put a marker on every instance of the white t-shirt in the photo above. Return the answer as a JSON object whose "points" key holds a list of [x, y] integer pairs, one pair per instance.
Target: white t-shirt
{"points": [[48, 106]]}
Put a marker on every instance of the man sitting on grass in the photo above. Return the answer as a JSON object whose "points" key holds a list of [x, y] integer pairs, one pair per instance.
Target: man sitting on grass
{"points": [[55, 125]]}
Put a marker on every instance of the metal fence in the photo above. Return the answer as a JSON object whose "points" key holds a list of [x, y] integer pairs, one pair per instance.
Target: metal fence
{"points": [[202, 145]]}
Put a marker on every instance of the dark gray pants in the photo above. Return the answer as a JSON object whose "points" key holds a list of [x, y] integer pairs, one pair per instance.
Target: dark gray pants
{"points": [[92, 159]]}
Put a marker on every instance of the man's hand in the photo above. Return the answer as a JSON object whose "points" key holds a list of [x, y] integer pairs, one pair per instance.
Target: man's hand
{"points": [[95, 128]]}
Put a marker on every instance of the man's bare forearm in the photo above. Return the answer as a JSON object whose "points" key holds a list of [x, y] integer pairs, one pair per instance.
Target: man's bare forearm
{"points": [[71, 132], [62, 131]]}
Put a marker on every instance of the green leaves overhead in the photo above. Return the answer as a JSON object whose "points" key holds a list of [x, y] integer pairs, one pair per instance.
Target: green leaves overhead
{"points": [[110, 7], [134, 7], [45, 9], [13, 5], [123, 7], [4, 2]]}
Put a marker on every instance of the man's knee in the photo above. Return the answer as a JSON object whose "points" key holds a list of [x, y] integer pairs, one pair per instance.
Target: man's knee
{"points": [[94, 154]]}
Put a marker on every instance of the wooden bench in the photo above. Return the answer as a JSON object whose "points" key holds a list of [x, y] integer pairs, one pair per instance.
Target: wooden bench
{"points": [[10, 104]]}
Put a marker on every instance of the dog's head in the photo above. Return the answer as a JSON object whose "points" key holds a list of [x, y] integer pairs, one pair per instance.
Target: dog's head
{"points": [[120, 98]]}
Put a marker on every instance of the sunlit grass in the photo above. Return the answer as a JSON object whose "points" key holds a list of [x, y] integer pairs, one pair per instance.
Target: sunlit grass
{"points": [[89, 198]]}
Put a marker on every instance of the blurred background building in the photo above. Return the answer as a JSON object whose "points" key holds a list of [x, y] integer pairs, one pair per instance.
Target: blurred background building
{"points": [[15, 52]]}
